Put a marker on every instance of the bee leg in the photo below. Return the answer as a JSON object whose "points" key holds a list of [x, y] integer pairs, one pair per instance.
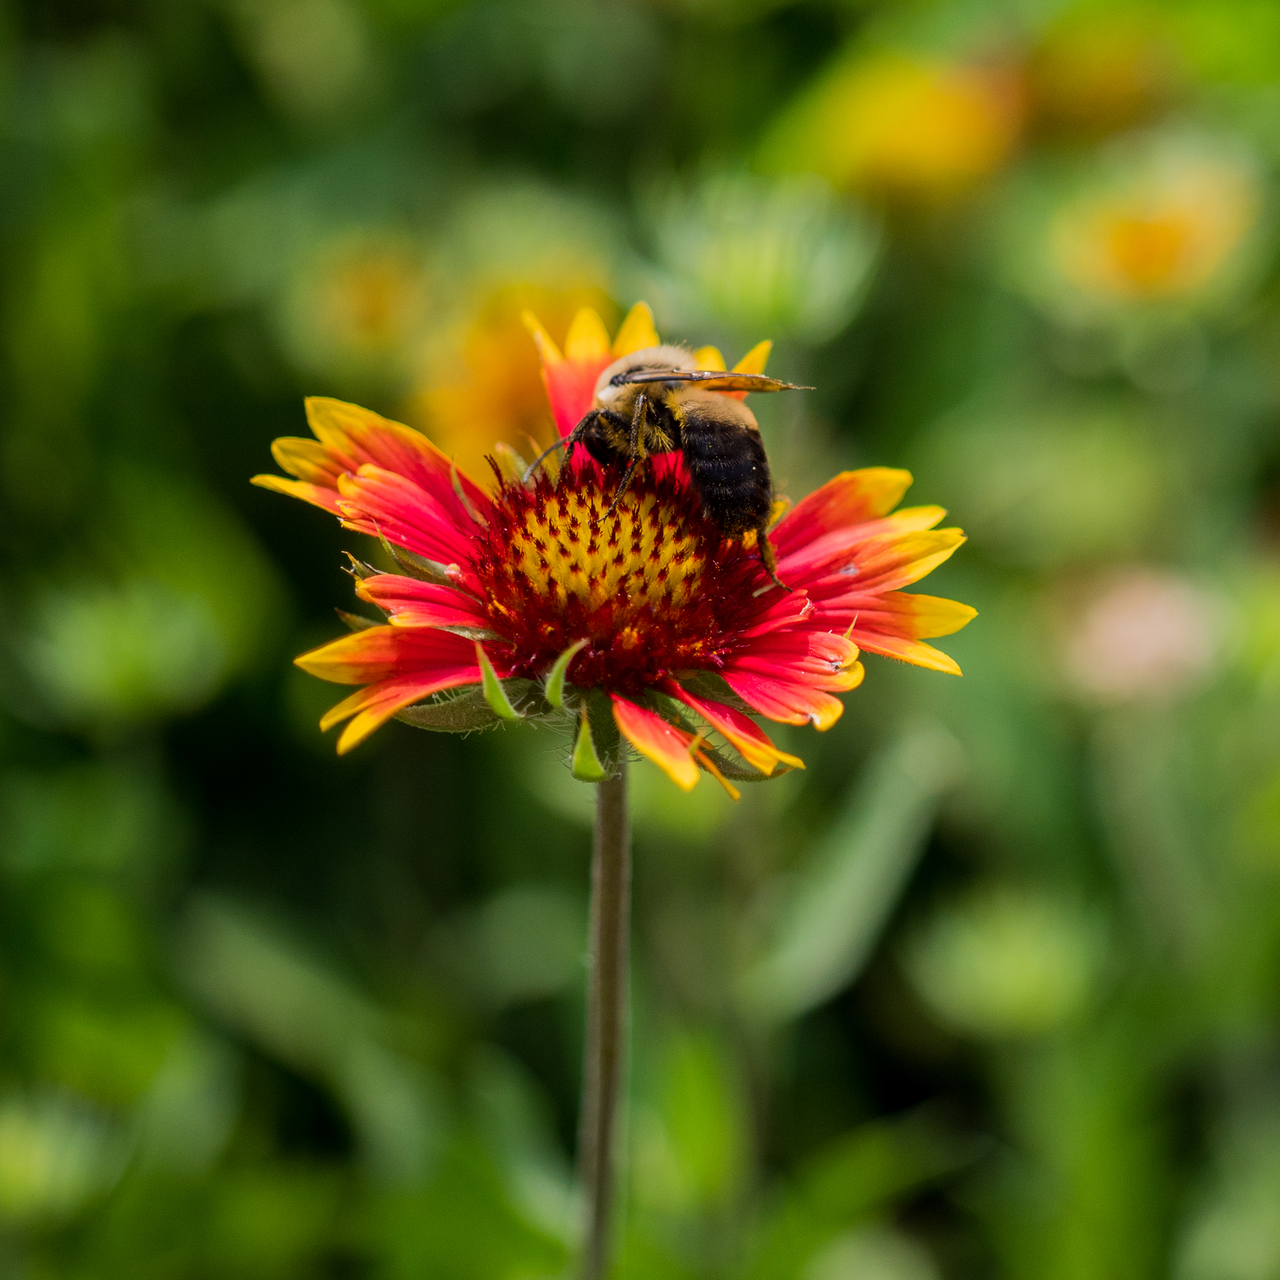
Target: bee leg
{"points": [[765, 547], [633, 454]]}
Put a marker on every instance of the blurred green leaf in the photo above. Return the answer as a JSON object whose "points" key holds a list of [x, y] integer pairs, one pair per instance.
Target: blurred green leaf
{"points": [[56, 1152], [860, 1174], [845, 890], [267, 986]]}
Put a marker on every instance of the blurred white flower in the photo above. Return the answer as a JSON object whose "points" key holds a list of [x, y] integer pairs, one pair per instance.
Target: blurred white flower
{"points": [[1143, 634], [785, 258]]}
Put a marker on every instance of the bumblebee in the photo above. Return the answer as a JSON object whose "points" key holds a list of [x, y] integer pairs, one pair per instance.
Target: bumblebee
{"points": [[658, 401]]}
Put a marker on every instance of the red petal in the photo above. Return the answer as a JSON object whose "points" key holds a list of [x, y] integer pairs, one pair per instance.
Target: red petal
{"points": [[387, 505], [743, 734], [571, 387], [659, 741], [820, 659], [382, 653], [412, 603], [367, 438], [317, 495], [843, 547], [784, 701], [372, 707], [850, 498]]}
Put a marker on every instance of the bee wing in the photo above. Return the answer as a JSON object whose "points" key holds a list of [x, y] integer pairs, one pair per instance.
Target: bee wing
{"points": [[710, 379]]}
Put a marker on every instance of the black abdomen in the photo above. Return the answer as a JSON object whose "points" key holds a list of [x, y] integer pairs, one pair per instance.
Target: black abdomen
{"points": [[728, 466]]}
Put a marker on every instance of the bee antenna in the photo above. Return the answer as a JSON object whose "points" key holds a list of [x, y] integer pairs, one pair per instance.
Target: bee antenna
{"points": [[567, 442]]}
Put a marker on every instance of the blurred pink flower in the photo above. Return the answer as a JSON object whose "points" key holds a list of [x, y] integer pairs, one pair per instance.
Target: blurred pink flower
{"points": [[1143, 634]]}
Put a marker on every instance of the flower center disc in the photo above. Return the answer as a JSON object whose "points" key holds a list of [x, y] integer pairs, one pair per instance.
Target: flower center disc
{"points": [[653, 587]]}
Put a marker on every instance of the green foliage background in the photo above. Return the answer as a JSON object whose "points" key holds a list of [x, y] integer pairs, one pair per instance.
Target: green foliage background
{"points": [[992, 989]]}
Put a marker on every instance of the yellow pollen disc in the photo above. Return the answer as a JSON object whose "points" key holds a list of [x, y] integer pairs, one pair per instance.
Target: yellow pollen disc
{"points": [[638, 556]]}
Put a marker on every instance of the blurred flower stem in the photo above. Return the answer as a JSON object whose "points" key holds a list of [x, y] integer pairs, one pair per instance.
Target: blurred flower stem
{"points": [[606, 1011]]}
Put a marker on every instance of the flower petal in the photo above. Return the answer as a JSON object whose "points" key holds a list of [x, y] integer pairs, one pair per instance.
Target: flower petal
{"points": [[755, 359], [311, 460], [820, 659], [904, 649], [387, 505], [399, 665], [785, 701], [743, 734], [587, 340], [637, 332], [851, 498], [413, 603], [833, 551], [888, 563], [657, 740], [363, 437], [317, 495], [901, 613], [548, 352], [382, 653], [372, 707], [571, 389]]}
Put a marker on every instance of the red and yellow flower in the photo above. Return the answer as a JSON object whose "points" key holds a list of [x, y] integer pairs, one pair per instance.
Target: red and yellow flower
{"points": [[527, 600]]}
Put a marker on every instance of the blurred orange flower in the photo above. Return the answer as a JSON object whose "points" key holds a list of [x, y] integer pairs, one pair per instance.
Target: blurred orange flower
{"points": [[488, 389], [903, 127], [1167, 233]]}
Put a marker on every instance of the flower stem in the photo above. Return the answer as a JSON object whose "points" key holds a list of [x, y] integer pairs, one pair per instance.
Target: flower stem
{"points": [[606, 1012]]}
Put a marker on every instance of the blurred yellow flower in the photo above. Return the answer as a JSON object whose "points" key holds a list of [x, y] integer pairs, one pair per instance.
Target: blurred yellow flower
{"points": [[488, 389], [902, 127], [1166, 231], [356, 307]]}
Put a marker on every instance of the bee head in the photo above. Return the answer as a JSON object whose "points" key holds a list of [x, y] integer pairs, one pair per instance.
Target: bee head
{"points": [[614, 392]]}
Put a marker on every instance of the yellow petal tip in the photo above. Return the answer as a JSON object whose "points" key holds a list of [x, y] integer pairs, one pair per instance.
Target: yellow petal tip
{"points": [[637, 332], [547, 349], [587, 338]]}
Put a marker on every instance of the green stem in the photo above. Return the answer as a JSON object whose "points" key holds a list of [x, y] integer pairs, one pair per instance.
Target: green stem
{"points": [[606, 1013]]}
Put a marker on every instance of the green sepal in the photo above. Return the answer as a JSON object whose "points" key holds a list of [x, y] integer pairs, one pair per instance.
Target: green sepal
{"points": [[494, 694], [354, 622], [457, 713], [420, 567], [359, 569], [585, 764], [554, 686], [471, 633], [604, 730]]}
